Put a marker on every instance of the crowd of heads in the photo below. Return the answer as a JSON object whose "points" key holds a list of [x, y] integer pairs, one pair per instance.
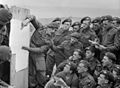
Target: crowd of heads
{"points": [[101, 64]]}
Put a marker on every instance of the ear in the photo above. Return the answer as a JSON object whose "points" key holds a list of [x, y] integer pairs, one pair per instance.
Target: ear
{"points": [[93, 54], [70, 71]]}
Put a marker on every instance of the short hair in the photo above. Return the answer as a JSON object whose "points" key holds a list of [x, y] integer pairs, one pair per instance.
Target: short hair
{"points": [[86, 63], [111, 56], [91, 48], [80, 52], [73, 66], [107, 75]]}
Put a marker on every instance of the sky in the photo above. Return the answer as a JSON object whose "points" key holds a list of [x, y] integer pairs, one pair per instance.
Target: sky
{"points": [[76, 8]]}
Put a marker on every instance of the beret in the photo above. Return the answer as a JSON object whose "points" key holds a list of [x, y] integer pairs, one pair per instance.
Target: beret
{"points": [[85, 18], [76, 24], [97, 20], [67, 20], [111, 56], [53, 25], [117, 19], [5, 16], [107, 17], [57, 19]]}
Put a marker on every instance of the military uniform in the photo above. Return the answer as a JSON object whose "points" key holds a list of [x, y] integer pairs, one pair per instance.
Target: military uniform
{"points": [[37, 66], [110, 38], [86, 81], [60, 36], [87, 35]]}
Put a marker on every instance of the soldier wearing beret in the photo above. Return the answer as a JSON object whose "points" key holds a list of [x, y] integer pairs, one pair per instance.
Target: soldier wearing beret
{"points": [[90, 56], [86, 34], [5, 52], [57, 20], [105, 80], [116, 22], [86, 19], [86, 80], [97, 25], [76, 27], [39, 46], [60, 35], [5, 17], [109, 36], [108, 61]]}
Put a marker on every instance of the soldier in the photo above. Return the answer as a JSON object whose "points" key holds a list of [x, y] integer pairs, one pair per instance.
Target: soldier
{"points": [[65, 79], [116, 22], [6, 28], [86, 34], [86, 20], [110, 36], [57, 21], [97, 25], [5, 52], [39, 45], [76, 27], [60, 35], [62, 32], [116, 75], [69, 76], [105, 80], [5, 55], [86, 80], [90, 56], [108, 61], [5, 17], [75, 58]]}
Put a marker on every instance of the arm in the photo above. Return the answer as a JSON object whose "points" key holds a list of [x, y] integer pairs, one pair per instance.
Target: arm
{"points": [[116, 45], [41, 49], [33, 20]]}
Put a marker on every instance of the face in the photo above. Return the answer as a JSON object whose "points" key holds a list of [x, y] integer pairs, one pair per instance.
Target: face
{"points": [[66, 25], [106, 24], [96, 26], [81, 68], [76, 28], [3, 30], [58, 22], [114, 73], [66, 68], [89, 54], [84, 26], [102, 80], [76, 55], [115, 24], [73, 40], [105, 61]]}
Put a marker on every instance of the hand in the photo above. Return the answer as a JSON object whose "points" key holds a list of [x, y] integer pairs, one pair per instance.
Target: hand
{"points": [[94, 42], [24, 23], [101, 47], [25, 48]]}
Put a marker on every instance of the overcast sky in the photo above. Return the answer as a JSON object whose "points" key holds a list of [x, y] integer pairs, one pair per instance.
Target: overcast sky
{"points": [[51, 8]]}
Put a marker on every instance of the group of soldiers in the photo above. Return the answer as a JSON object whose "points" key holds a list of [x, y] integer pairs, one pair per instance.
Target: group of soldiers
{"points": [[85, 52]]}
